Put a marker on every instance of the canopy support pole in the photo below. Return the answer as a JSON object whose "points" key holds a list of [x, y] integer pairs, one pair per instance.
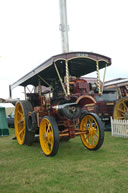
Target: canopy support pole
{"points": [[39, 87], [10, 92], [67, 77], [25, 93], [104, 78], [98, 77], [60, 79], [45, 81]]}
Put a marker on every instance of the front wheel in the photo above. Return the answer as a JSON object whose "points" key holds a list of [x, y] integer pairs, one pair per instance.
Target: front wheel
{"points": [[94, 132], [49, 136]]}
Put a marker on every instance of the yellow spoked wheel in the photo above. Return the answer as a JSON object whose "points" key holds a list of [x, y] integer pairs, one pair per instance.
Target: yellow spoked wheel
{"points": [[49, 136], [94, 132], [21, 123], [121, 109]]}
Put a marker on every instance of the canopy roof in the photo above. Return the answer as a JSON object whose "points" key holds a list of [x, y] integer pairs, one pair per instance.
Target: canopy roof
{"points": [[80, 63], [116, 83]]}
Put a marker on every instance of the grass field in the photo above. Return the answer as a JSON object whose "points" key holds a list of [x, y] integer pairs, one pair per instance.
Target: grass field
{"points": [[74, 169]]}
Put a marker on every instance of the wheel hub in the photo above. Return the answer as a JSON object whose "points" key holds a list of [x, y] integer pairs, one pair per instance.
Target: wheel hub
{"points": [[20, 123], [92, 131], [45, 136]]}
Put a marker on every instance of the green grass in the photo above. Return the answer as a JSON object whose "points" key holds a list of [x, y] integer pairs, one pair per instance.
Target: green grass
{"points": [[74, 169]]}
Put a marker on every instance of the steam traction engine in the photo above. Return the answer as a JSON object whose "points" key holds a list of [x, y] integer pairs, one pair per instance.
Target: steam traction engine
{"points": [[55, 110], [120, 111]]}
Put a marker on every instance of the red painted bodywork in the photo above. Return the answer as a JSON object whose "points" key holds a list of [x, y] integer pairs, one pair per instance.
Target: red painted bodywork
{"points": [[46, 106]]}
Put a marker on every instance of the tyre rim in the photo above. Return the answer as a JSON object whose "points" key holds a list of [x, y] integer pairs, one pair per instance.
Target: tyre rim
{"points": [[121, 110], [91, 138], [19, 123], [46, 136]]}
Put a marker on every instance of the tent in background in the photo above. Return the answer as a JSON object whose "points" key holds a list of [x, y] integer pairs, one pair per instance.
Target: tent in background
{"points": [[9, 107], [4, 131]]}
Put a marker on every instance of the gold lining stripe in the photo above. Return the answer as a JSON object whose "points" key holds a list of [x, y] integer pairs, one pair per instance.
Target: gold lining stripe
{"points": [[81, 57]]}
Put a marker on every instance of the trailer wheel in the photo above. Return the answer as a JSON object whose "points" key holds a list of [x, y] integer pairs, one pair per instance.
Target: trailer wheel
{"points": [[49, 136], [23, 135], [120, 111], [94, 137]]}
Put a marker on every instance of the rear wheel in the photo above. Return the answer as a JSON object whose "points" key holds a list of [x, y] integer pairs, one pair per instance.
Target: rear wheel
{"points": [[21, 123], [94, 132], [49, 136], [121, 109]]}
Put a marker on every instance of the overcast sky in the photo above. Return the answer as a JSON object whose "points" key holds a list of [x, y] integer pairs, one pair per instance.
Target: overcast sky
{"points": [[29, 34]]}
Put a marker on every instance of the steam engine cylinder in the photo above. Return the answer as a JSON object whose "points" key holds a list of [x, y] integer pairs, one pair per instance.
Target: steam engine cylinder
{"points": [[69, 110]]}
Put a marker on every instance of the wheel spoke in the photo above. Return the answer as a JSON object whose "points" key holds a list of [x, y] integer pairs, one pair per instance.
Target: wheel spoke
{"points": [[94, 140], [50, 137], [121, 110], [21, 131], [125, 106], [90, 121], [87, 137], [87, 126], [20, 113], [97, 135], [91, 141], [49, 126], [83, 127], [20, 122], [95, 126]]}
